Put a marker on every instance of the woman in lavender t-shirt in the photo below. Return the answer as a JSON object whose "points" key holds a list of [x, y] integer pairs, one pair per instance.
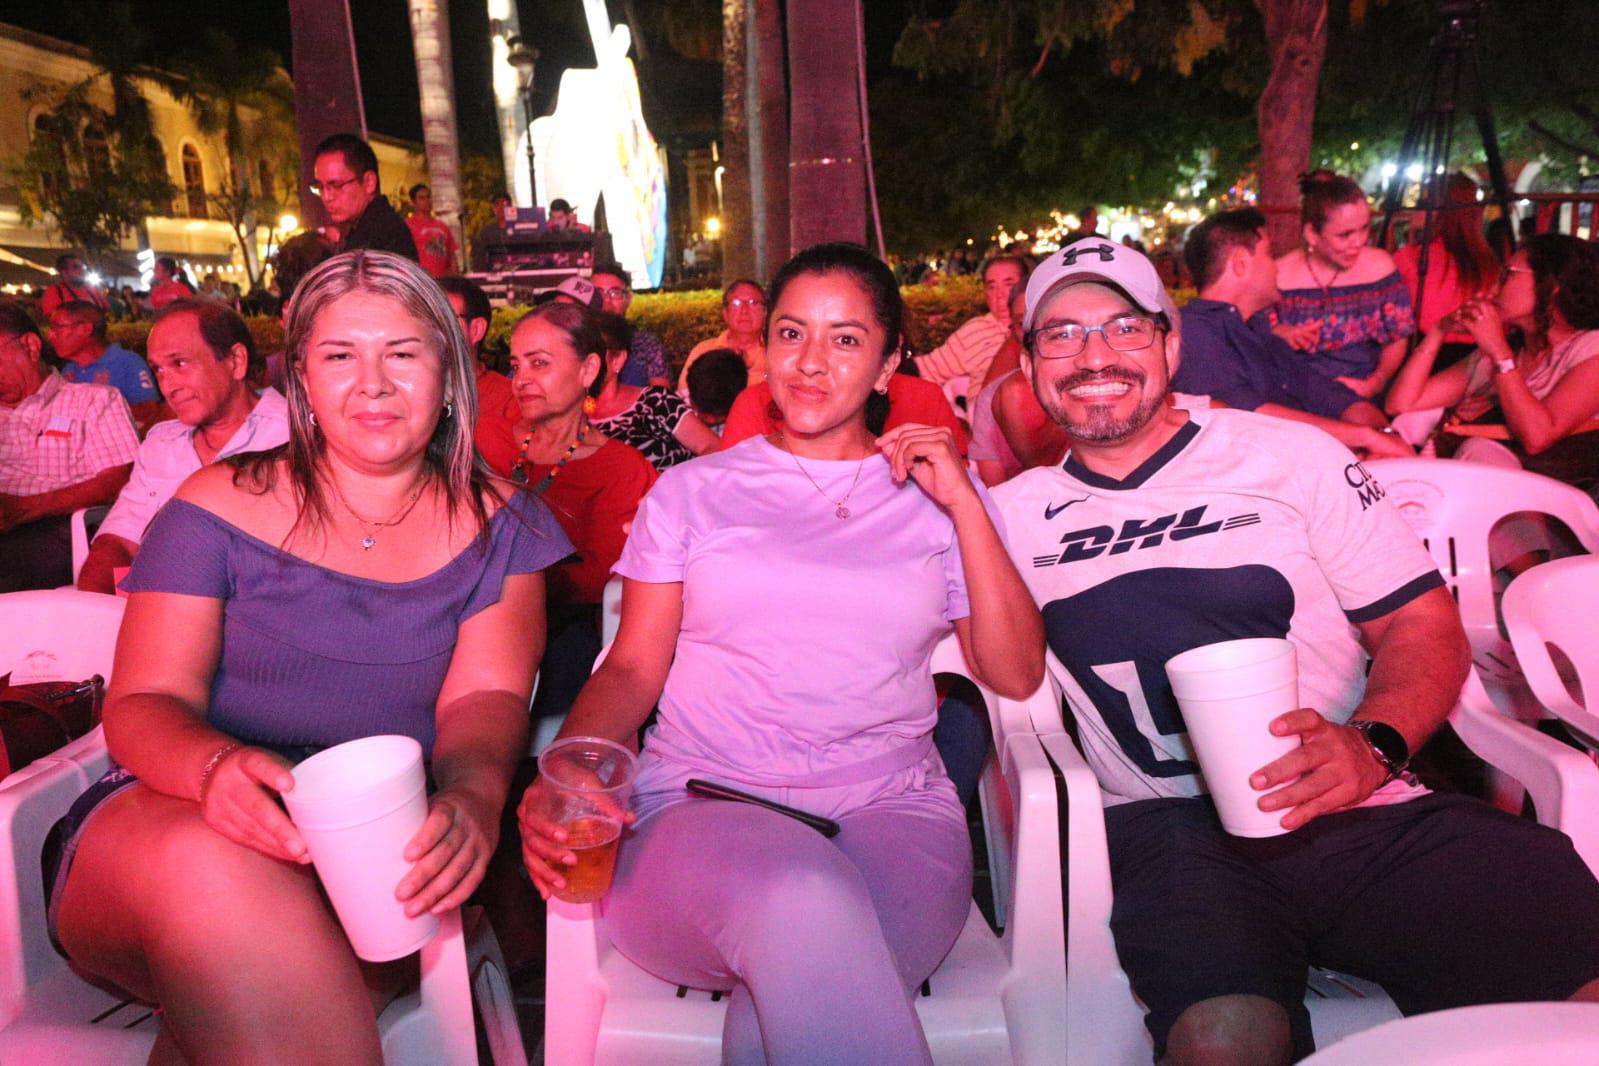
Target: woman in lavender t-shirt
{"points": [[782, 601]]}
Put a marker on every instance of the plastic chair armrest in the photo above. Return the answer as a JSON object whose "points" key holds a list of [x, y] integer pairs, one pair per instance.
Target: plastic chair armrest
{"points": [[1563, 782]]}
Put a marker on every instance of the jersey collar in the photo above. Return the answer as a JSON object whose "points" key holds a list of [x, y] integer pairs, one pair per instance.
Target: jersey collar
{"points": [[1146, 470]]}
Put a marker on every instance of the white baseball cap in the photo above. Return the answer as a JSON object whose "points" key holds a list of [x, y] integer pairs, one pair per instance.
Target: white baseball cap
{"points": [[1104, 261]]}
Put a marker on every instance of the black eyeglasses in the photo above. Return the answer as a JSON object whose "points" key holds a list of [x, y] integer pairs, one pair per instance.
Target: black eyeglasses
{"points": [[1125, 333], [323, 187]]}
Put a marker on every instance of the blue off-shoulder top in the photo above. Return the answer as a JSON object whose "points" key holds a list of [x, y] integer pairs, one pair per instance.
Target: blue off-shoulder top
{"points": [[312, 657]]}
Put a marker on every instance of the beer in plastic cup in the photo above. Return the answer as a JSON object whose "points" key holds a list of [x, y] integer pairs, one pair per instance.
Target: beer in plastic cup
{"points": [[1229, 693], [589, 782], [358, 805]]}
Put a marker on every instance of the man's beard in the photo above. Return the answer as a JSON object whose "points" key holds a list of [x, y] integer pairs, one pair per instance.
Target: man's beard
{"points": [[1100, 426]]}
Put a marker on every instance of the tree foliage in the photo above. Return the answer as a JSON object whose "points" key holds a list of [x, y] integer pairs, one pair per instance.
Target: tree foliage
{"points": [[243, 95], [93, 173]]}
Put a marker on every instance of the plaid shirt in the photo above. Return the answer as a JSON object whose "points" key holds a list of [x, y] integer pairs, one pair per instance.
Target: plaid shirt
{"points": [[63, 435]]}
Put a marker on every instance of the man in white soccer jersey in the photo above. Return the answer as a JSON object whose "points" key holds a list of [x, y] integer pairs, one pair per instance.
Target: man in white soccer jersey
{"points": [[1166, 529]]}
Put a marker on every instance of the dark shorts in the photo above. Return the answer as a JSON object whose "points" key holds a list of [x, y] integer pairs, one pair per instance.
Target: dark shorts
{"points": [[1444, 901]]}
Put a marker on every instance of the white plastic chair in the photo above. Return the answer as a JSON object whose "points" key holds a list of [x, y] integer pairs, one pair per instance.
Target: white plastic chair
{"points": [[1558, 604], [995, 998], [1104, 1019], [1548, 1034], [1104, 1022], [79, 526], [1453, 506], [50, 1014]]}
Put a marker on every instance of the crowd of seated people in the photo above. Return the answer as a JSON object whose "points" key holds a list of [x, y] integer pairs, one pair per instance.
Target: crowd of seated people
{"points": [[397, 538]]}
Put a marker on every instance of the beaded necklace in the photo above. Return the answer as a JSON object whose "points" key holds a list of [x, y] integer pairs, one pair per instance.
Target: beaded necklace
{"points": [[519, 474]]}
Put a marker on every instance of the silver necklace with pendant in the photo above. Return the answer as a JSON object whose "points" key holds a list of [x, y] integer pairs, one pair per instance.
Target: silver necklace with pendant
{"points": [[370, 528], [840, 511]]}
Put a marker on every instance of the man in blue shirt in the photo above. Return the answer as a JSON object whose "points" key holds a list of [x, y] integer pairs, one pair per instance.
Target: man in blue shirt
{"points": [[1231, 355], [78, 334]]}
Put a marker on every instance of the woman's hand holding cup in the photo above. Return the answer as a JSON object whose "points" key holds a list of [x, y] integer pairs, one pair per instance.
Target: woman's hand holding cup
{"points": [[451, 852], [238, 798]]}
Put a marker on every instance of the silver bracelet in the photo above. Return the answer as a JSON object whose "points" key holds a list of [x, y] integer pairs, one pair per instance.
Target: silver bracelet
{"points": [[212, 763]]}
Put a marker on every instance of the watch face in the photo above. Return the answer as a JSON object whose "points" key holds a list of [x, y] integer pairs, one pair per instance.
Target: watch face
{"points": [[1389, 741]]}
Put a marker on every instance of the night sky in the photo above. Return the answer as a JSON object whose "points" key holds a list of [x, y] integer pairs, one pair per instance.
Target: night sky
{"points": [[383, 51]]}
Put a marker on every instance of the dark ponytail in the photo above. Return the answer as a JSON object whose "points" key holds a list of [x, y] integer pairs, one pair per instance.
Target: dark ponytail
{"points": [[877, 412]]}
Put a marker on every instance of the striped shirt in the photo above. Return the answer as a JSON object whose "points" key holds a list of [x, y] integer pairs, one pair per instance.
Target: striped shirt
{"points": [[63, 435], [969, 351]]}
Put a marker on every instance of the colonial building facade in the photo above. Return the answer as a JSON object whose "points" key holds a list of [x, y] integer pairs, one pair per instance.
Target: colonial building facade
{"points": [[192, 229]]}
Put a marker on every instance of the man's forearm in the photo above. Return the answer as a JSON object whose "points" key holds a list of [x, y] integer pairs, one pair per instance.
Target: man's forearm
{"points": [[100, 489], [106, 554], [1418, 665]]}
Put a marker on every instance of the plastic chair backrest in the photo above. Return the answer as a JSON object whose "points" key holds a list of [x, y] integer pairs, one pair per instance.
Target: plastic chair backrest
{"points": [[1558, 604], [58, 634], [1454, 505]]}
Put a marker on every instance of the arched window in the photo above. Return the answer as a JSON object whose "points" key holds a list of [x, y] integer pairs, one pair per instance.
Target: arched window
{"points": [[96, 152], [46, 129], [194, 182]]}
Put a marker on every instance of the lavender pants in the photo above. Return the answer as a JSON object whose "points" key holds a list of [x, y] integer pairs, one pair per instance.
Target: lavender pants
{"points": [[822, 943]]}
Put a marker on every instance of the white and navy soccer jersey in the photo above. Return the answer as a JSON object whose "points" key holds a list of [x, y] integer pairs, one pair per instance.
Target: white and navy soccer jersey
{"points": [[1242, 525]]}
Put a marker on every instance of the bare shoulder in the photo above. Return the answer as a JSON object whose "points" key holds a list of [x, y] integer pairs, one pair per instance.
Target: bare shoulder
{"points": [[251, 500], [1291, 272], [1374, 264]]}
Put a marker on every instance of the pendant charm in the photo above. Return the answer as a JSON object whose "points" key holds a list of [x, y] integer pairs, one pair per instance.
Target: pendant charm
{"points": [[367, 543], [842, 512]]}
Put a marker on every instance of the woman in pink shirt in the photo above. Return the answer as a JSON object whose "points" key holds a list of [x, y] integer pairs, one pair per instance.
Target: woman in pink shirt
{"points": [[782, 601]]}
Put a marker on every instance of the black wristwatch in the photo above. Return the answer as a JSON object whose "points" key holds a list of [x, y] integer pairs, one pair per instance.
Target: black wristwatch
{"points": [[1387, 744]]}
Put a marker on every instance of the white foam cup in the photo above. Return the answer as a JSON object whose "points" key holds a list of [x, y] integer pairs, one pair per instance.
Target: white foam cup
{"points": [[358, 805], [1229, 693]]}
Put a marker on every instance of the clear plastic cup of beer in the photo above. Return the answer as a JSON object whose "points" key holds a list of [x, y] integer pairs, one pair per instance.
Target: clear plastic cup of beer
{"points": [[589, 784]]}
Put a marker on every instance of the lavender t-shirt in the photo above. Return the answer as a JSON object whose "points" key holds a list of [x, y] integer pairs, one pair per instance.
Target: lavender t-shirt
{"points": [[806, 638]]}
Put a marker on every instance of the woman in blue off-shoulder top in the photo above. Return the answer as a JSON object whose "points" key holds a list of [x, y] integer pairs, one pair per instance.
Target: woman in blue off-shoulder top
{"points": [[366, 578]]}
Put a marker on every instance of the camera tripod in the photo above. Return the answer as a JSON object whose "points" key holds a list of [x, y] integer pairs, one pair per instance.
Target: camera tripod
{"points": [[1452, 82]]}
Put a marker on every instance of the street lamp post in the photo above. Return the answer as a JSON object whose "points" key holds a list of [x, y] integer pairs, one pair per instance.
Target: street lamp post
{"points": [[523, 57]]}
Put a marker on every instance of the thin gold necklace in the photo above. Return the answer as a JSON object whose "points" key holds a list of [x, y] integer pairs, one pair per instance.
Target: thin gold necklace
{"points": [[371, 528], [839, 510]]}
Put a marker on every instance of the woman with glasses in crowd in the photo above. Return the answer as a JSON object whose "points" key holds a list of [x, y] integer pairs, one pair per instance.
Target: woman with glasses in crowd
{"points": [[1532, 383], [744, 312], [1342, 301], [365, 578], [782, 601]]}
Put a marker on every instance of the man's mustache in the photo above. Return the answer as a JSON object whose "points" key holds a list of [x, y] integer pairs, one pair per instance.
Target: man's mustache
{"points": [[1099, 377]]}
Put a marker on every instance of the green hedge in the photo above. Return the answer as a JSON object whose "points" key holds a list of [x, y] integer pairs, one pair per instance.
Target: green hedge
{"points": [[266, 329], [683, 319]]}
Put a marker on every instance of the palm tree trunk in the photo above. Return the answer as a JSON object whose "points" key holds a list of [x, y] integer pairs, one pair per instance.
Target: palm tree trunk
{"points": [[827, 173], [768, 136], [435, 81], [738, 245], [1296, 36], [327, 85], [503, 25]]}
